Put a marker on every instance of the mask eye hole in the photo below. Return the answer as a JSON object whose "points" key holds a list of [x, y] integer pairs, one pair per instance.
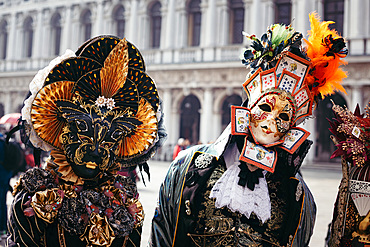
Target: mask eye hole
{"points": [[265, 107], [81, 125], [117, 134], [284, 116]]}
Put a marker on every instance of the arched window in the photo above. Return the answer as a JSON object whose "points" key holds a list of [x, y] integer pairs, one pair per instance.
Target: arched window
{"points": [[56, 33], [86, 25], [27, 37], [3, 39], [236, 21], [226, 108], [194, 22], [119, 21], [334, 11], [283, 11], [190, 119], [155, 25]]}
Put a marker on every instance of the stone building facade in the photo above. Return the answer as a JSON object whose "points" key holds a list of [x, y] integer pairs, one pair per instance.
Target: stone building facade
{"points": [[191, 49]]}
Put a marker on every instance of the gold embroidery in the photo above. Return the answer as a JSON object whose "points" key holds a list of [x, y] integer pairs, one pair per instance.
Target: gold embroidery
{"points": [[187, 206], [221, 227]]}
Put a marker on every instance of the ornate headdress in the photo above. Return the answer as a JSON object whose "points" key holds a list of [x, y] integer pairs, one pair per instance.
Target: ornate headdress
{"points": [[96, 103], [286, 81], [351, 134]]}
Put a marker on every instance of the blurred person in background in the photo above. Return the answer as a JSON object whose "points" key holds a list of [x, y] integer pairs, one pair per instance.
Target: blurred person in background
{"points": [[178, 147], [12, 161]]}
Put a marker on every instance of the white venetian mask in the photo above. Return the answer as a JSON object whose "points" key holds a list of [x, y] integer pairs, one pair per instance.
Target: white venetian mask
{"points": [[271, 118]]}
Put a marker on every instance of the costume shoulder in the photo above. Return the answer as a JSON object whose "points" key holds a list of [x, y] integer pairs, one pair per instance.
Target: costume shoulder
{"points": [[183, 171]]}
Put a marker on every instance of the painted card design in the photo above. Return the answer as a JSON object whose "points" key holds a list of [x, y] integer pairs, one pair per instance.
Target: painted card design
{"points": [[295, 65], [294, 138], [288, 81], [259, 156], [305, 110], [268, 79], [253, 83], [239, 120], [301, 97]]}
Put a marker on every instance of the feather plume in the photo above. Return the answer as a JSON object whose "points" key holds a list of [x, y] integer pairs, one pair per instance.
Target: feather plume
{"points": [[325, 48]]}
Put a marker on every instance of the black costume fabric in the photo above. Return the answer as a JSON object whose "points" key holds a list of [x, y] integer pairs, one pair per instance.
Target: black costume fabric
{"points": [[186, 216]]}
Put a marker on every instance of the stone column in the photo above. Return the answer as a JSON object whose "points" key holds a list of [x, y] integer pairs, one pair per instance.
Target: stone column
{"points": [[75, 28], [247, 19], [38, 43], [133, 25], [356, 97], [206, 117], [223, 25], [167, 111], [99, 19], [12, 38], [269, 15], [256, 27], [356, 27], [169, 41], [19, 41], [182, 29], [209, 27], [66, 30]]}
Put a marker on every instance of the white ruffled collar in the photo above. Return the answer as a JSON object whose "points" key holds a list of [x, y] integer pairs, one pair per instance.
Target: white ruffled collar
{"points": [[237, 198]]}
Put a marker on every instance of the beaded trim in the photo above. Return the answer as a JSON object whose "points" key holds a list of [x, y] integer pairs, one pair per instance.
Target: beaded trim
{"points": [[356, 186]]}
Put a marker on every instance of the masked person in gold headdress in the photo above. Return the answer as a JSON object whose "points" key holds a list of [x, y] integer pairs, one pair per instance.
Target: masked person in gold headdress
{"points": [[96, 111], [245, 189]]}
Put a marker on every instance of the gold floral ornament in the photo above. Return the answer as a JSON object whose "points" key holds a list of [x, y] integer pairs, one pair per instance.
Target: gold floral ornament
{"points": [[135, 208], [46, 204], [98, 232]]}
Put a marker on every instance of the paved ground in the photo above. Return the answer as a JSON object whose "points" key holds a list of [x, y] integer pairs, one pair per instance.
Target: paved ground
{"points": [[323, 182]]}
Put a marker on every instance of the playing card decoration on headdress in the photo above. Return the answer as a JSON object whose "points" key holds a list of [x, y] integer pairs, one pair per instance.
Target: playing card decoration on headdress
{"points": [[285, 83], [99, 107]]}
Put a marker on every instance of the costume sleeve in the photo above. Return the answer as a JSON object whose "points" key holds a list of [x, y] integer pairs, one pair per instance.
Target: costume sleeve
{"points": [[23, 230], [165, 218], [308, 216]]}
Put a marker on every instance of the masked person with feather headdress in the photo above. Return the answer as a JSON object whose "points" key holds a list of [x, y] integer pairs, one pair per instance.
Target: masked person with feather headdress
{"points": [[96, 111], [245, 189]]}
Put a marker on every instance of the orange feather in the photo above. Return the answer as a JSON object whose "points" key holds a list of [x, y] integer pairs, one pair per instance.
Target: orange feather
{"points": [[325, 76]]}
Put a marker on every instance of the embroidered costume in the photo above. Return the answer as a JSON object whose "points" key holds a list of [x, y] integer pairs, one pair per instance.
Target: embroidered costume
{"points": [[96, 111], [245, 189], [351, 225]]}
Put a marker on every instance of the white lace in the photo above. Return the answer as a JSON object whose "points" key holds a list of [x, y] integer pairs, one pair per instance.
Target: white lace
{"points": [[241, 199]]}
